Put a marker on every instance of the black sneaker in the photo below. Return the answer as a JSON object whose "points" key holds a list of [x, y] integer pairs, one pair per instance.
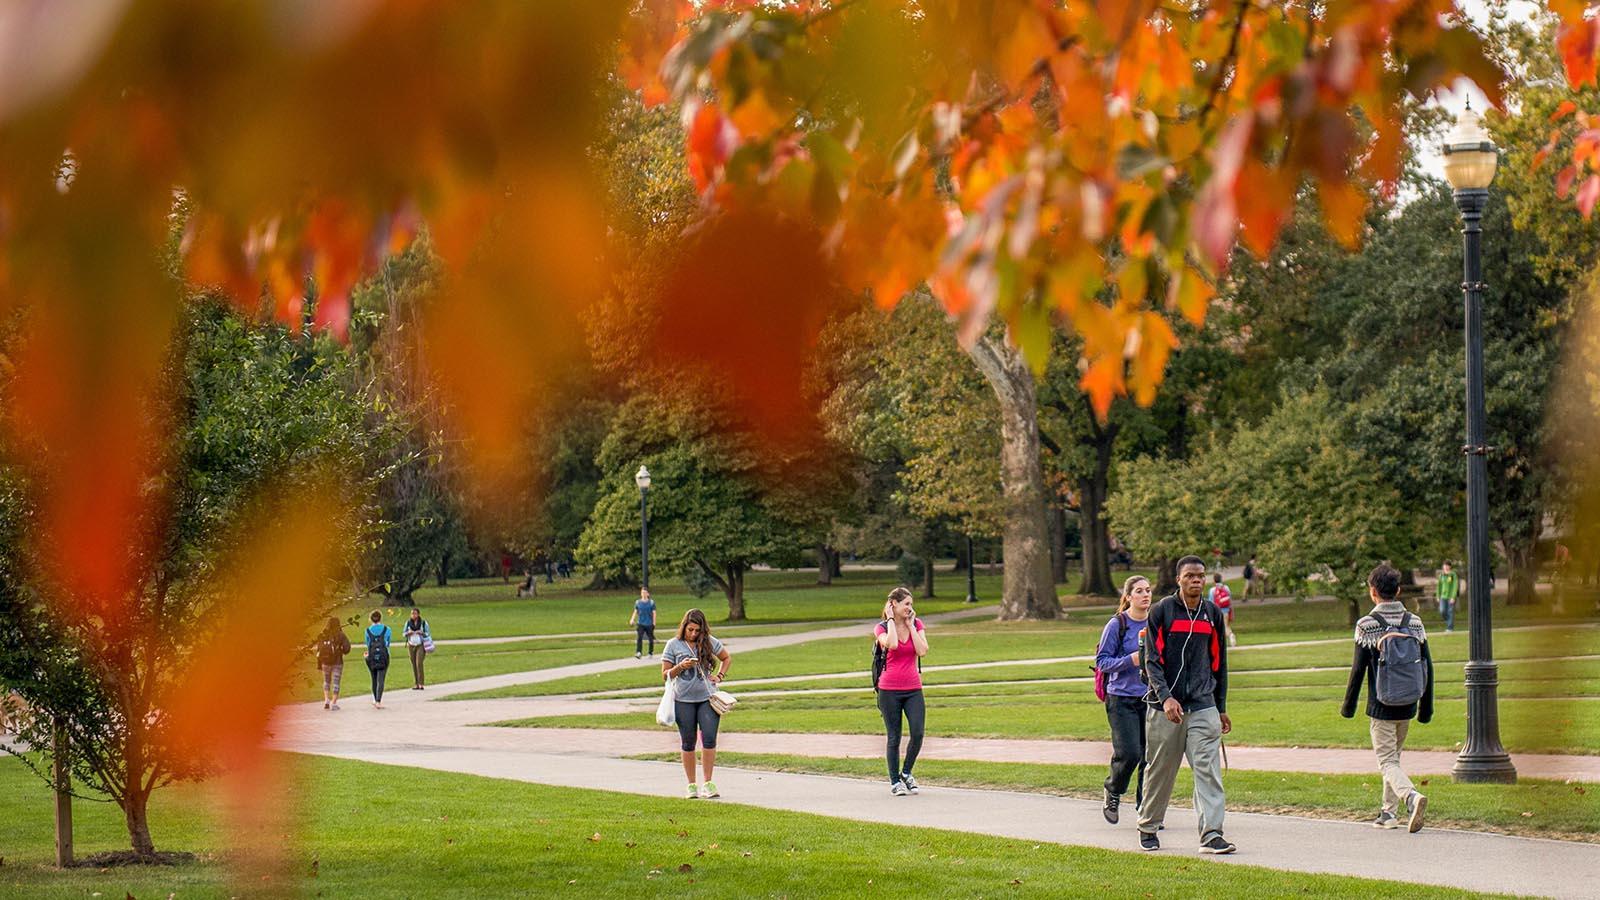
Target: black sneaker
{"points": [[1112, 801], [1148, 842], [1218, 845]]}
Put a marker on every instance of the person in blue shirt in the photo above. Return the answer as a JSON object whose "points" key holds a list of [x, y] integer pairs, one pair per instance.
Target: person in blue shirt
{"points": [[417, 637], [377, 638], [1118, 658], [643, 622]]}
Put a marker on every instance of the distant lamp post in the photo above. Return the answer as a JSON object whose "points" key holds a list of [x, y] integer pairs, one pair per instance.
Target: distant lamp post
{"points": [[642, 479], [972, 566], [1470, 159]]}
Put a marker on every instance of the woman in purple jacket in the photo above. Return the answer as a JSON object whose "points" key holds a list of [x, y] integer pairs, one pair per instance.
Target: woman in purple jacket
{"points": [[1118, 658]]}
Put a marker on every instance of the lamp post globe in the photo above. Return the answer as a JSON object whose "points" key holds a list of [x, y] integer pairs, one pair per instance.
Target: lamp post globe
{"points": [[1470, 159], [642, 479]]}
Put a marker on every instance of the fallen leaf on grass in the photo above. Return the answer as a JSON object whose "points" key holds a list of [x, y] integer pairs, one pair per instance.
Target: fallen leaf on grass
{"points": [[630, 845], [573, 881], [746, 853], [699, 853], [1019, 881], [594, 838], [1527, 815], [1579, 790], [685, 868], [683, 833]]}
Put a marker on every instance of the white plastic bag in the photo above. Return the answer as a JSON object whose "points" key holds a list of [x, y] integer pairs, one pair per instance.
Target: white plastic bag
{"points": [[667, 712]]}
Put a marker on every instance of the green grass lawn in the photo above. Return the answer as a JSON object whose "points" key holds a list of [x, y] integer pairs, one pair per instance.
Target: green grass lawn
{"points": [[488, 608], [1068, 711], [1562, 811], [369, 836]]}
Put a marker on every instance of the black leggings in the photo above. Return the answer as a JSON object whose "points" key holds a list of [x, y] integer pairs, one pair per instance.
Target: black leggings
{"points": [[1127, 718], [377, 682], [696, 713], [892, 704]]}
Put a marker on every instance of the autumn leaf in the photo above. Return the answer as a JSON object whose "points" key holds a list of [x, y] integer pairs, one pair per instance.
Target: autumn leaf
{"points": [[1564, 180], [1566, 108], [1576, 43], [1588, 194]]}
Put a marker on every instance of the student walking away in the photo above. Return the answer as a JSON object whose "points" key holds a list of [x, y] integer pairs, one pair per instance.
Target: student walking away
{"points": [[1119, 685], [1219, 594], [691, 660], [1448, 588], [332, 646], [643, 622], [1392, 657], [901, 643], [377, 637], [417, 638], [1250, 578], [1186, 664]]}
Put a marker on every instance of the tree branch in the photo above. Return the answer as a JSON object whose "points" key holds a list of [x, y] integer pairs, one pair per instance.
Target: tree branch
{"points": [[1228, 63]]}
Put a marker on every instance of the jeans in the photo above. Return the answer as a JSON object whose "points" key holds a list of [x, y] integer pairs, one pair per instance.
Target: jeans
{"points": [[892, 704], [1126, 716], [1199, 737], [418, 656], [641, 632], [331, 674], [692, 713], [377, 682], [1447, 608]]}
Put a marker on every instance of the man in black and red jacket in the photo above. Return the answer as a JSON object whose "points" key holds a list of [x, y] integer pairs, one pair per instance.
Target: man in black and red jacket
{"points": [[1185, 659]]}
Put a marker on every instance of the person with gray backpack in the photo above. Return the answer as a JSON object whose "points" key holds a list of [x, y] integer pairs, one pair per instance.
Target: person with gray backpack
{"points": [[1392, 657]]}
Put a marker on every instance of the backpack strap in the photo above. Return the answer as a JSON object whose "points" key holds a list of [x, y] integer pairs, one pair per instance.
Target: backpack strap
{"points": [[1380, 619], [1405, 620]]}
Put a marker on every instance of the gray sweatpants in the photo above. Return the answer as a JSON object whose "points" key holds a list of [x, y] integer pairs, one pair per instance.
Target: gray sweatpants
{"points": [[1198, 736]]}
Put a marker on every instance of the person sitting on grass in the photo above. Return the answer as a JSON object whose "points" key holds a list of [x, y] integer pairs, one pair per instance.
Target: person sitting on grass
{"points": [[690, 661], [1398, 690]]}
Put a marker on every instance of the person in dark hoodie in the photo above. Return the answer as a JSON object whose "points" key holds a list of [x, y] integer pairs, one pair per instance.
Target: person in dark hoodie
{"points": [[1185, 657], [1389, 621]]}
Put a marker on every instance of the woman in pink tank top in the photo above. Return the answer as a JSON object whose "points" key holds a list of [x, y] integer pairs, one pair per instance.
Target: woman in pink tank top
{"points": [[904, 642]]}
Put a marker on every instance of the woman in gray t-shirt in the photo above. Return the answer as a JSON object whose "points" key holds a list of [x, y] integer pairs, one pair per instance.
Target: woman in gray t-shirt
{"points": [[690, 660]]}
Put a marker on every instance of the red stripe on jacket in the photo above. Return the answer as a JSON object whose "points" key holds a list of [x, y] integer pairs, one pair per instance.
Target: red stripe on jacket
{"points": [[1197, 626]]}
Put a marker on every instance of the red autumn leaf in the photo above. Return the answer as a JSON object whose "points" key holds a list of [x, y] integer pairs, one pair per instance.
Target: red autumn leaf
{"points": [[1566, 108], [1216, 222], [1576, 44], [1564, 181], [1588, 194]]}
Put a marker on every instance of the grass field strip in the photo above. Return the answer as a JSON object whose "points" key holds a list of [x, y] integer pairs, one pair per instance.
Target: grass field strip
{"points": [[1089, 659]]}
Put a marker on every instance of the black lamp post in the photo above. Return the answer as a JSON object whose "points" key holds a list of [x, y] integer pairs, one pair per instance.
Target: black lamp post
{"points": [[642, 479], [1469, 163], [972, 567]]}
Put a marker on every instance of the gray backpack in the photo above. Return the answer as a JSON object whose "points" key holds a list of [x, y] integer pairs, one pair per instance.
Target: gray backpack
{"points": [[1402, 673]]}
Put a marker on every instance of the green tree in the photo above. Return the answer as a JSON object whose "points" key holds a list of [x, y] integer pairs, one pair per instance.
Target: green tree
{"points": [[254, 410]]}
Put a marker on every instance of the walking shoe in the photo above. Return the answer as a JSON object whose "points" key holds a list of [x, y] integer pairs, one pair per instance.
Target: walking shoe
{"points": [[1418, 805], [1112, 801], [1386, 819], [326, 704], [636, 656], [910, 783], [898, 789], [335, 706], [1148, 841], [709, 791], [693, 792], [1217, 845]]}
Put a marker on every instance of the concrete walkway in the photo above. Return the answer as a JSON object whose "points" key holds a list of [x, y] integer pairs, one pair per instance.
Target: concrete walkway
{"points": [[454, 737]]}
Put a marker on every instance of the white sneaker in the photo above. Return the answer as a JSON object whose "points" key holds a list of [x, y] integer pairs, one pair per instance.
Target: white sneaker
{"points": [[898, 789]]}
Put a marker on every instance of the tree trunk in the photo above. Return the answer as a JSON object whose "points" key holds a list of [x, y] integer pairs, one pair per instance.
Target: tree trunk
{"points": [[824, 565], [927, 573], [444, 571], [1092, 490], [135, 810], [963, 560], [835, 562], [1027, 592], [63, 791], [1166, 577], [1524, 572], [1056, 519], [733, 587], [1354, 611]]}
